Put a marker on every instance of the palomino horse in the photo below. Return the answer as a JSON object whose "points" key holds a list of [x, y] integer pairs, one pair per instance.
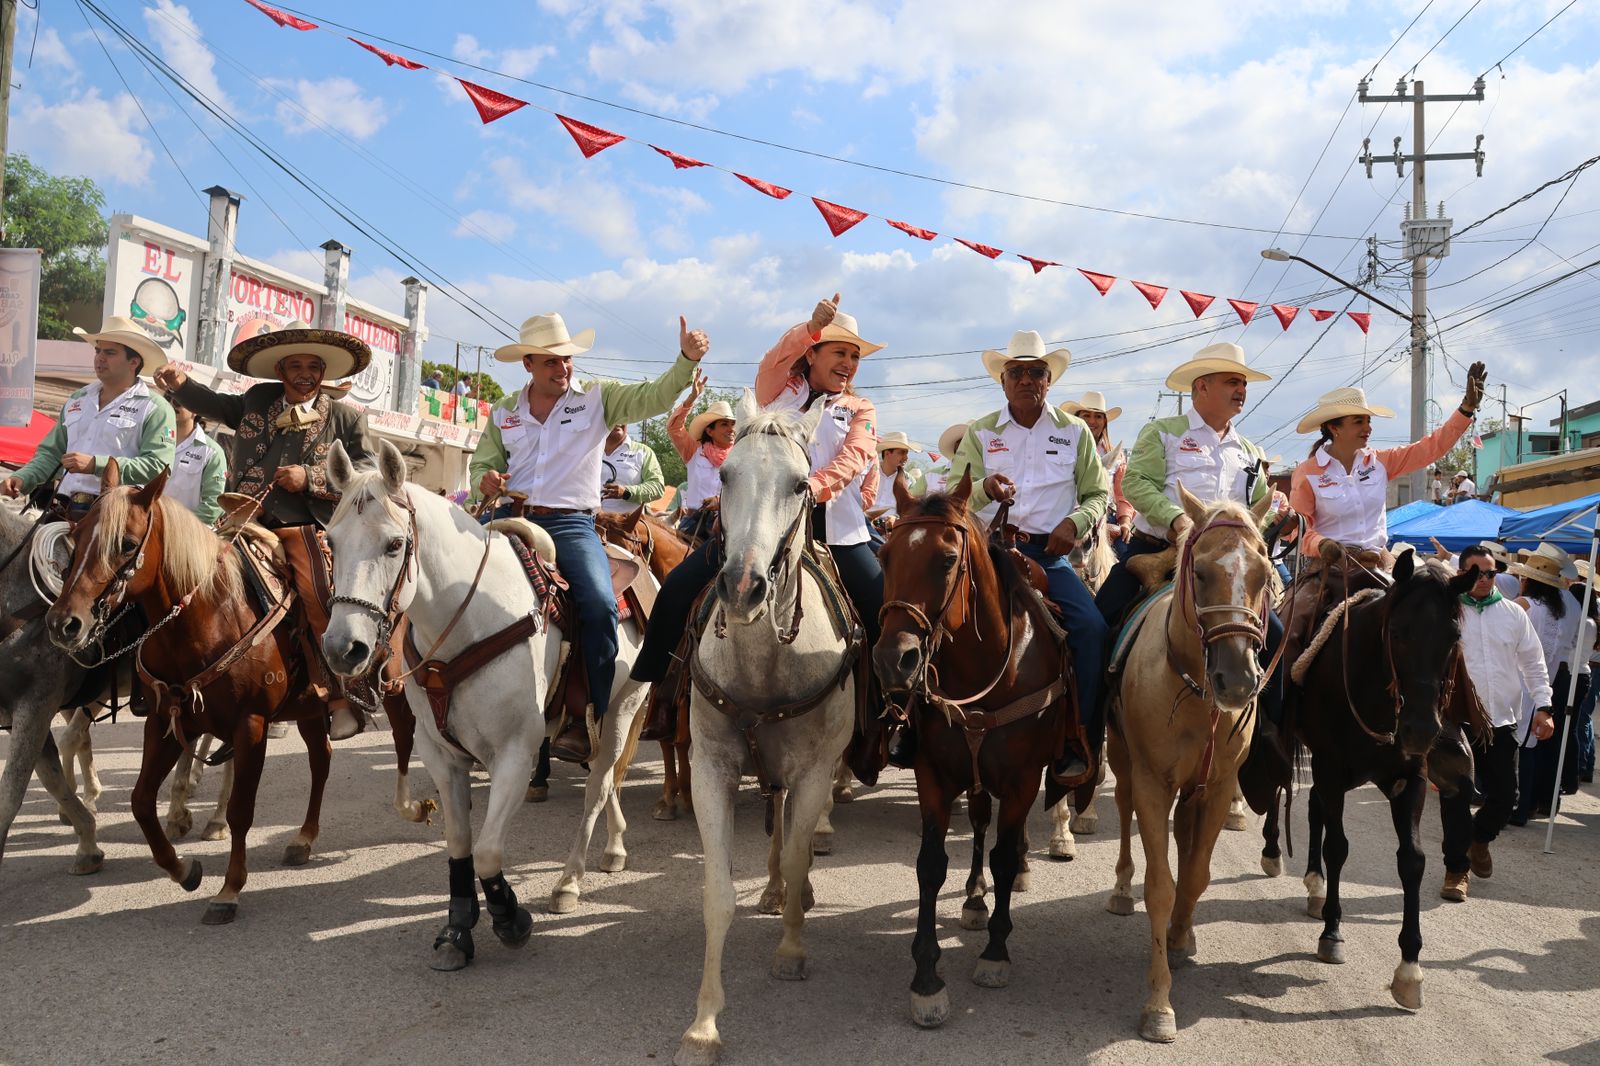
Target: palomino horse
{"points": [[399, 549], [772, 684], [1180, 726], [1377, 723], [971, 649], [212, 660]]}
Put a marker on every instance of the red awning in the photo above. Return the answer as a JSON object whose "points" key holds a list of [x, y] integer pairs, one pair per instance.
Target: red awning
{"points": [[18, 443]]}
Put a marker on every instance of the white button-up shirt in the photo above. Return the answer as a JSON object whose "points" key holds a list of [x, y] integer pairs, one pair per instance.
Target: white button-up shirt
{"points": [[845, 514], [622, 466], [1350, 503], [556, 463], [189, 467], [1041, 461], [1210, 465], [1504, 658], [113, 430]]}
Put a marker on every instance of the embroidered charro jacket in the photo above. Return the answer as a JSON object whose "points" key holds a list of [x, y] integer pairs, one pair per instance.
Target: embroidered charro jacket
{"points": [[261, 447]]}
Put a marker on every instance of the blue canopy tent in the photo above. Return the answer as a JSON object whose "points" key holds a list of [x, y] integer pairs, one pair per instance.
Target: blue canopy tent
{"points": [[1455, 527], [1415, 509], [1566, 525]]}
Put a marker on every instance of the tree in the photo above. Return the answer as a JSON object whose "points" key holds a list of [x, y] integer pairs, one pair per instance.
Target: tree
{"points": [[489, 390], [653, 433], [65, 219]]}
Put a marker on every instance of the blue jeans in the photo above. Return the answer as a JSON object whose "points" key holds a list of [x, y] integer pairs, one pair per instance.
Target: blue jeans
{"points": [[588, 572], [1087, 633]]}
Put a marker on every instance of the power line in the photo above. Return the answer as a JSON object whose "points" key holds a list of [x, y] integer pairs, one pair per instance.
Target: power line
{"points": [[1447, 33], [1570, 175], [1526, 39]]}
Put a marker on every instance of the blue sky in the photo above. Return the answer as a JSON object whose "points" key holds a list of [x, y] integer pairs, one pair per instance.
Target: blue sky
{"points": [[1208, 110]]}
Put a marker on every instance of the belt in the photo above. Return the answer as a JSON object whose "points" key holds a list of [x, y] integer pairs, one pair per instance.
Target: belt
{"points": [[83, 499], [1144, 538], [523, 509]]}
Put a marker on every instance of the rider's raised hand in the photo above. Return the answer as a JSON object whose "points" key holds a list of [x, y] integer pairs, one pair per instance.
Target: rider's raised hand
{"points": [[169, 377], [1476, 374], [693, 343], [823, 314]]}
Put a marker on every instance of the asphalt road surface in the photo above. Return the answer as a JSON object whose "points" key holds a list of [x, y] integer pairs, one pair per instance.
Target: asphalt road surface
{"points": [[327, 963]]}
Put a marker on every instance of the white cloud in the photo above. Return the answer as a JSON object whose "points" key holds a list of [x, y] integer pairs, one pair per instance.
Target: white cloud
{"points": [[486, 224], [49, 51], [598, 209], [336, 102], [180, 42], [87, 135]]}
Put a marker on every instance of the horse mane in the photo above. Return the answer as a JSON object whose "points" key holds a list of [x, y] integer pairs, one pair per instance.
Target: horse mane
{"points": [[770, 423], [193, 559], [366, 484], [1228, 509]]}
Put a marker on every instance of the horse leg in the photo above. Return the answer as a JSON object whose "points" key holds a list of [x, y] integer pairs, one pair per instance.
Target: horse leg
{"points": [[510, 768], [1087, 820], [1238, 819], [77, 751], [1121, 901], [404, 726], [161, 751], [667, 806], [89, 858], [1194, 866], [974, 911], [993, 969], [1335, 848], [685, 764], [1316, 884], [1406, 809], [822, 838], [1062, 845], [539, 783], [771, 901], [597, 792], [1024, 879], [249, 758], [319, 752], [179, 818], [714, 789], [217, 825], [1271, 855], [930, 999], [802, 807], [843, 791], [1152, 799]]}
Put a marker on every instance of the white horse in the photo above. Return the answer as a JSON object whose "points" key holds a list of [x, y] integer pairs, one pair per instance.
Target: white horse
{"points": [[399, 546], [748, 656]]}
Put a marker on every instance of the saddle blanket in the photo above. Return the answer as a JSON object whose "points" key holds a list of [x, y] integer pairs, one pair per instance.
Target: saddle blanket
{"points": [[1130, 629]]}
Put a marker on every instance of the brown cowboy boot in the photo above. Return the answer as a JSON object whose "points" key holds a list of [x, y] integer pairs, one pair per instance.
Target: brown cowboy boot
{"points": [[661, 713], [572, 743], [1482, 862], [1455, 887]]}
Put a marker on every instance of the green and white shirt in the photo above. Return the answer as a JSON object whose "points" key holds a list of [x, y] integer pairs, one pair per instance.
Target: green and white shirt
{"points": [[1183, 449], [1054, 465], [135, 428]]}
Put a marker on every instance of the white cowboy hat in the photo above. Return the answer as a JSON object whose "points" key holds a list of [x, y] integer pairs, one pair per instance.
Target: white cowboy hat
{"points": [[1223, 358], [1546, 563], [950, 439], [258, 357], [545, 335], [900, 440], [843, 328], [1027, 347], [126, 332], [1338, 404], [715, 413], [1496, 550], [1092, 401]]}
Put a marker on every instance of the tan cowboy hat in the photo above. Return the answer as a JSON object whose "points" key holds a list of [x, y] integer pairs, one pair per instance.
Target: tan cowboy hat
{"points": [[843, 328], [950, 439], [1027, 347], [545, 335], [1223, 358], [1497, 550], [1338, 404], [1092, 401], [1582, 566], [715, 413], [126, 332], [258, 357], [1547, 564], [900, 440]]}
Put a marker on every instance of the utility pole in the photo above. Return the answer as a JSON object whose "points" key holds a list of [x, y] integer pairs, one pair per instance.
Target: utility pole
{"points": [[1425, 238], [8, 33]]}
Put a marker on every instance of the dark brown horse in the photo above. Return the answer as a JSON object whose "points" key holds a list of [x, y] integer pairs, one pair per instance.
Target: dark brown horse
{"points": [[968, 647], [211, 661]]}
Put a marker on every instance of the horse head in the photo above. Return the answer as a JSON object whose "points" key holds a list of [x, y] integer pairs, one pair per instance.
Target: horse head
{"points": [[935, 568], [1421, 629], [766, 501], [1222, 593], [372, 536], [117, 553]]}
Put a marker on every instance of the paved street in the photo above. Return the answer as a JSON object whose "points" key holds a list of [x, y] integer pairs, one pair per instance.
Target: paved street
{"points": [[327, 963]]}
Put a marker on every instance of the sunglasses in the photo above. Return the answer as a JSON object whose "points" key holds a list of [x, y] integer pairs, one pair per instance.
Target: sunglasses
{"points": [[1038, 373]]}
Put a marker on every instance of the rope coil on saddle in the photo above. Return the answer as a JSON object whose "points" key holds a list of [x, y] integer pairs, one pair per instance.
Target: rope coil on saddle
{"points": [[1302, 665]]}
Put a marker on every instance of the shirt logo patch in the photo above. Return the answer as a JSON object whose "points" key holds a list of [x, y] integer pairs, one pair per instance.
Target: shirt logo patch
{"points": [[1327, 481], [511, 422], [996, 445], [1191, 445]]}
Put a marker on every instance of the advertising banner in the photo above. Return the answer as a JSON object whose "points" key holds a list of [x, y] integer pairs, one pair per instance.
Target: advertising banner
{"points": [[153, 277], [19, 330]]}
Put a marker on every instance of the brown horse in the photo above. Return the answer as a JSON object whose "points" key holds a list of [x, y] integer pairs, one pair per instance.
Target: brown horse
{"points": [[211, 661], [1181, 726], [988, 723]]}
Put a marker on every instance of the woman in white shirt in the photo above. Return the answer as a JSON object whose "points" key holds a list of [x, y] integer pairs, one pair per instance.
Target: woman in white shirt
{"points": [[1545, 575]]}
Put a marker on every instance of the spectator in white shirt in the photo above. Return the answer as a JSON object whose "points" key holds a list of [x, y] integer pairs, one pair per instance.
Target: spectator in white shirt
{"points": [[1464, 488]]}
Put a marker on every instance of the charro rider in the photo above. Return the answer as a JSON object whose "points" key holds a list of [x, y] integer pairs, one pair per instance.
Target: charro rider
{"points": [[114, 417], [702, 445], [893, 451], [1091, 407], [199, 467], [631, 473], [814, 362], [283, 430], [545, 442], [1044, 463]]}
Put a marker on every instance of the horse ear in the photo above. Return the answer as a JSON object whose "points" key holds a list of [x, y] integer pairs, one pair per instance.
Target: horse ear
{"points": [[340, 469], [963, 490], [1262, 507], [1191, 505], [809, 423], [111, 476], [747, 409], [904, 502], [1405, 566], [630, 521], [151, 491], [392, 465]]}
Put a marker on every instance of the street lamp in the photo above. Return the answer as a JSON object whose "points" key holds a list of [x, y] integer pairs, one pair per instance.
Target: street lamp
{"points": [[1278, 255]]}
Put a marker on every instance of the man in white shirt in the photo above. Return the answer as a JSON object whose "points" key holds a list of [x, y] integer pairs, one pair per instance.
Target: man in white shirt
{"points": [[1503, 658], [1465, 489], [199, 467], [631, 473]]}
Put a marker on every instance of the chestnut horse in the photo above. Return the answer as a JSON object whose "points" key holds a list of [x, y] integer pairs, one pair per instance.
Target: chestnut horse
{"points": [[987, 723], [137, 547]]}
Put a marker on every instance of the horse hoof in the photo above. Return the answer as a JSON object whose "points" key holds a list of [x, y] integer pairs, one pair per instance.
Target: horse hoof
{"points": [[844, 794], [220, 914], [178, 828], [698, 1051], [991, 973], [215, 831], [1085, 823], [418, 811], [1159, 1026], [613, 862], [1272, 867], [976, 917], [1182, 944], [1023, 882], [664, 812], [1330, 951], [89, 864], [929, 1012], [822, 843], [563, 901], [1314, 906], [1119, 904], [191, 878], [789, 967], [297, 854], [1407, 986], [537, 794], [771, 902], [515, 933], [1064, 850], [448, 958], [1236, 821]]}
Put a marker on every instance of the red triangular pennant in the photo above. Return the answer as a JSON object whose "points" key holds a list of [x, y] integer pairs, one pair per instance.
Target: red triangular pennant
{"points": [[1361, 318], [590, 139], [391, 59], [1037, 264], [1285, 313], [981, 249], [777, 192], [680, 162], [935, 456], [1154, 293], [1198, 302], [1245, 309], [1103, 282], [490, 104], [282, 18], [1321, 315], [838, 217], [915, 231]]}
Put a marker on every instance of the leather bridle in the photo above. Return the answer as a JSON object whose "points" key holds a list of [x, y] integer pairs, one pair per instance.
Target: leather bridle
{"points": [[389, 612], [1252, 627]]}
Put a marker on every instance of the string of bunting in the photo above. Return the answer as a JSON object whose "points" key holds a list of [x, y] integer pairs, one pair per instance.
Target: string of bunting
{"points": [[591, 140]]}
